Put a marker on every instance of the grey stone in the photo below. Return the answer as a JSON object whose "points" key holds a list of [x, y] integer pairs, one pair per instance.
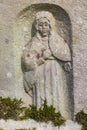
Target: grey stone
{"points": [[16, 19], [42, 65], [30, 124]]}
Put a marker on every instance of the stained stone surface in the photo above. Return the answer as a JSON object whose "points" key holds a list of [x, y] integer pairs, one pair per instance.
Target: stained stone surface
{"points": [[15, 32], [26, 124]]}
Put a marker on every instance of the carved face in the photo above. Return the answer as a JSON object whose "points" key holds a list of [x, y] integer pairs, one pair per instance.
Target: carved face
{"points": [[43, 27]]}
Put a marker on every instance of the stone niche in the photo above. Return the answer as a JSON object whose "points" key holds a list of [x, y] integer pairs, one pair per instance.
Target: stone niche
{"points": [[16, 21], [24, 30]]}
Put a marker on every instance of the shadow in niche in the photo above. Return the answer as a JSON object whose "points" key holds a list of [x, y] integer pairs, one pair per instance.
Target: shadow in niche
{"points": [[64, 29]]}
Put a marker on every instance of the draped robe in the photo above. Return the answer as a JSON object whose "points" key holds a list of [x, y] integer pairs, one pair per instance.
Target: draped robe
{"points": [[46, 77]]}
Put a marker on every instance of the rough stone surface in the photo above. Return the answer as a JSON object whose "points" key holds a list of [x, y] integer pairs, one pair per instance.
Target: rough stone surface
{"points": [[11, 45], [11, 125]]}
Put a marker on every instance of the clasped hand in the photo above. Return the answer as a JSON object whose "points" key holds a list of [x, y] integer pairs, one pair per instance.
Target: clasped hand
{"points": [[68, 66]]}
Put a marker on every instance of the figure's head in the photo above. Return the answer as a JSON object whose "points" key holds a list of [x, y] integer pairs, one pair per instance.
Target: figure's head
{"points": [[43, 23], [43, 27]]}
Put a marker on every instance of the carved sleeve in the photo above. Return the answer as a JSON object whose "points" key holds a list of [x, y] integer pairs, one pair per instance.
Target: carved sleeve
{"points": [[28, 61], [60, 49]]}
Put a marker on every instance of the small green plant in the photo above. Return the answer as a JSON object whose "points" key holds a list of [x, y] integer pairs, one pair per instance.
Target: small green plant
{"points": [[44, 114], [84, 127], [81, 118], [13, 109], [10, 108], [1, 129], [33, 129]]}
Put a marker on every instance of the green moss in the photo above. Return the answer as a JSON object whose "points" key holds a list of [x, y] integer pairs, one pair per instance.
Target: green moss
{"points": [[13, 109], [26, 129], [10, 108], [84, 127], [44, 114], [81, 118]]}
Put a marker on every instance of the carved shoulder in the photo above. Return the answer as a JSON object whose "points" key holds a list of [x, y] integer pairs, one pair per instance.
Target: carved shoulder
{"points": [[59, 48]]}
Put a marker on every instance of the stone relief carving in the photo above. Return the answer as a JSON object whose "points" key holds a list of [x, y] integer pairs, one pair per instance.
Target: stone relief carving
{"points": [[45, 61]]}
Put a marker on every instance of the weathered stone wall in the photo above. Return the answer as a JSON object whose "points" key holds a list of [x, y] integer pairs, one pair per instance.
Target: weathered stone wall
{"points": [[11, 83], [31, 124]]}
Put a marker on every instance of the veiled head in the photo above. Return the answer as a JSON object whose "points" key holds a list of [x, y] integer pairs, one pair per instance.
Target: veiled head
{"points": [[44, 22]]}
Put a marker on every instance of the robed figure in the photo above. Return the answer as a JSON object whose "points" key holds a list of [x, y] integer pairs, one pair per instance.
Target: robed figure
{"points": [[43, 63]]}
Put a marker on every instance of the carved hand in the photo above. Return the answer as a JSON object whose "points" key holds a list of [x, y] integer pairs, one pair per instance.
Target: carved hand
{"points": [[46, 54], [67, 66], [40, 61]]}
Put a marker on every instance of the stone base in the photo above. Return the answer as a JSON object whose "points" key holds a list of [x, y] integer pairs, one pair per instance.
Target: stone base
{"points": [[12, 125]]}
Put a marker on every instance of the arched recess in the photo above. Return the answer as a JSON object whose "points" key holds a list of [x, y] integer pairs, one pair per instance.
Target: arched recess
{"points": [[23, 31]]}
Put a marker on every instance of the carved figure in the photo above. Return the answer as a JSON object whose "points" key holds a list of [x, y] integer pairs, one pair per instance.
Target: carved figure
{"points": [[42, 62]]}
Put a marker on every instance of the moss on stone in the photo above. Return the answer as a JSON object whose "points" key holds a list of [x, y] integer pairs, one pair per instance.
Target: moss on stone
{"points": [[26, 129], [81, 118], [13, 109]]}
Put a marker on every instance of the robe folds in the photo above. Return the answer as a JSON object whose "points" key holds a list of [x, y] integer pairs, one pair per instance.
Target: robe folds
{"points": [[44, 74]]}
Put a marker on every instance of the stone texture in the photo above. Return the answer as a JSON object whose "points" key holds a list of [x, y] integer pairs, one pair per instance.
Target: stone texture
{"points": [[11, 82], [26, 124]]}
